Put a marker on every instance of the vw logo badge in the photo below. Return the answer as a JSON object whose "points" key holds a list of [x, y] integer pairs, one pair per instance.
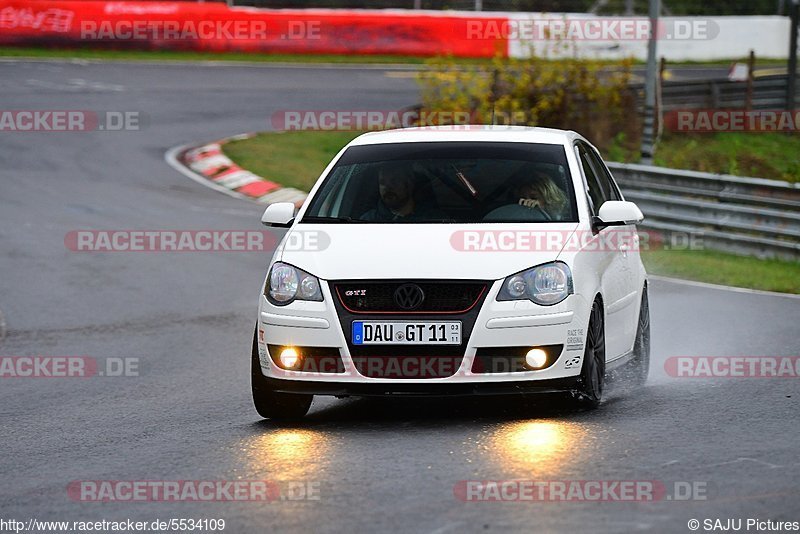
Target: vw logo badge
{"points": [[409, 296]]}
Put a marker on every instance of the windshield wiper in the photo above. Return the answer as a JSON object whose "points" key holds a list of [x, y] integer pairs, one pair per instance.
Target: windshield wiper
{"points": [[319, 219]]}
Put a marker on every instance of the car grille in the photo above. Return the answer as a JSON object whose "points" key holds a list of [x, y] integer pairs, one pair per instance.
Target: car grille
{"points": [[444, 299], [440, 297]]}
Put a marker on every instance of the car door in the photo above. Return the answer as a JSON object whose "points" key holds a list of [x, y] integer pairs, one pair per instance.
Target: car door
{"points": [[611, 262], [629, 247]]}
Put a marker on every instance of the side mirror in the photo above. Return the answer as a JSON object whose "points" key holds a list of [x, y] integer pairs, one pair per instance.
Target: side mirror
{"points": [[617, 213], [280, 214]]}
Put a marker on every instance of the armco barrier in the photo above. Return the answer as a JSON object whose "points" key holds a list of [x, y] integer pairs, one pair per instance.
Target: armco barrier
{"points": [[275, 31], [743, 215], [398, 32]]}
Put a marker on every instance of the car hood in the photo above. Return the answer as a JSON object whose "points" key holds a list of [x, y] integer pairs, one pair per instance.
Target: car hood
{"points": [[477, 251]]}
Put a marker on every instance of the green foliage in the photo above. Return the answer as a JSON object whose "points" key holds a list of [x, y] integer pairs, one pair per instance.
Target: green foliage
{"points": [[621, 150], [589, 96]]}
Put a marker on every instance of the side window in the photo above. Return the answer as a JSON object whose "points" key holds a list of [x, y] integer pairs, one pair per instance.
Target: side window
{"points": [[610, 191], [595, 191]]}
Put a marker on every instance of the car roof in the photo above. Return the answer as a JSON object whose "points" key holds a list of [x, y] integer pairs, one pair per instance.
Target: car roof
{"points": [[477, 133]]}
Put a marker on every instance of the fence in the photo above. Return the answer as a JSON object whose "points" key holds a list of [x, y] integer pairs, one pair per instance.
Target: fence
{"points": [[768, 92]]}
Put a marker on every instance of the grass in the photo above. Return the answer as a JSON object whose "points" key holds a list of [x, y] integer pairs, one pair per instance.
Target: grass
{"points": [[180, 55], [293, 159], [727, 269], [72, 52], [296, 159], [761, 155]]}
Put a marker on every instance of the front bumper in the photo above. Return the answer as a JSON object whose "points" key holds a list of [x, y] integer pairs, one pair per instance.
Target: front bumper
{"points": [[403, 388], [496, 324]]}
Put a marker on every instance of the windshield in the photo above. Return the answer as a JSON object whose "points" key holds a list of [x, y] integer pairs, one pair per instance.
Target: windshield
{"points": [[451, 182]]}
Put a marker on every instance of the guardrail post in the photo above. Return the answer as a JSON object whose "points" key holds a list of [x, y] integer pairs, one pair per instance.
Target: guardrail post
{"points": [[713, 95], [659, 111], [648, 134], [751, 64], [791, 83]]}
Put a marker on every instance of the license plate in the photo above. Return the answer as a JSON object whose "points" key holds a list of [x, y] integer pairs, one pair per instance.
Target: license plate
{"points": [[401, 333]]}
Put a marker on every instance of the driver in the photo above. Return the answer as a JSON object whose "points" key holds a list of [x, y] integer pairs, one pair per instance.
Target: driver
{"points": [[396, 191]]}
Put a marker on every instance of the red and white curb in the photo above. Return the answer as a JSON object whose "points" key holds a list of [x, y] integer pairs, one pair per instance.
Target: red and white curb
{"points": [[208, 165]]}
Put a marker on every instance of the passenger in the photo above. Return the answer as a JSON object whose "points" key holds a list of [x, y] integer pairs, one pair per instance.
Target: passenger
{"points": [[535, 197]]}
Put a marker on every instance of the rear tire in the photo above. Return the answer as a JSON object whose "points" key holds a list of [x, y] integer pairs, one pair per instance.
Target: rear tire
{"points": [[593, 371], [271, 404]]}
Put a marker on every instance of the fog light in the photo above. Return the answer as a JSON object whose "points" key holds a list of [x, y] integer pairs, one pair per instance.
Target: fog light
{"points": [[536, 358], [289, 358]]}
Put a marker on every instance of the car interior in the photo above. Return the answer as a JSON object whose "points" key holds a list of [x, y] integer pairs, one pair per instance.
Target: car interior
{"points": [[455, 190]]}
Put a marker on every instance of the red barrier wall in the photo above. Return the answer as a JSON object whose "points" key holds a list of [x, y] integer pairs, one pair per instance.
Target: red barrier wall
{"points": [[100, 23]]}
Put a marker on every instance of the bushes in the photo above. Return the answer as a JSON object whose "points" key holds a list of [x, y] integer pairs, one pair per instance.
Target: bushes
{"points": [[591, 97]]}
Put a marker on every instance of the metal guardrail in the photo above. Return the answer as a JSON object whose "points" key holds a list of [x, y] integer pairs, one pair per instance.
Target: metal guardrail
{"points": [[750, 216]]}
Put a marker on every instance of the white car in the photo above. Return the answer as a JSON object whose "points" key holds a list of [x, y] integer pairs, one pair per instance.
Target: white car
{"points": [[453, 261]]}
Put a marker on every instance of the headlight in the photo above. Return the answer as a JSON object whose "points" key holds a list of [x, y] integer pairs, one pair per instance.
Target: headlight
{"points": [[546, 284], [286, 284]]}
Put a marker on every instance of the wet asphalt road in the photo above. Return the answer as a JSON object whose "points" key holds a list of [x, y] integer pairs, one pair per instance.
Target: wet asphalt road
{"points": [[188, 317]]}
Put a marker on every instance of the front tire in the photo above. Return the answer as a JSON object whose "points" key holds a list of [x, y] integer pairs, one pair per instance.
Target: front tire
{"points": [[271, 404], [593, 371], [641, 347]]}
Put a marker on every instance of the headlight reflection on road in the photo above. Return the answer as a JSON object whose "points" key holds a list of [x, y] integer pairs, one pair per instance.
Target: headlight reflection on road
{"points": [[287, 454], [538, 446]]}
